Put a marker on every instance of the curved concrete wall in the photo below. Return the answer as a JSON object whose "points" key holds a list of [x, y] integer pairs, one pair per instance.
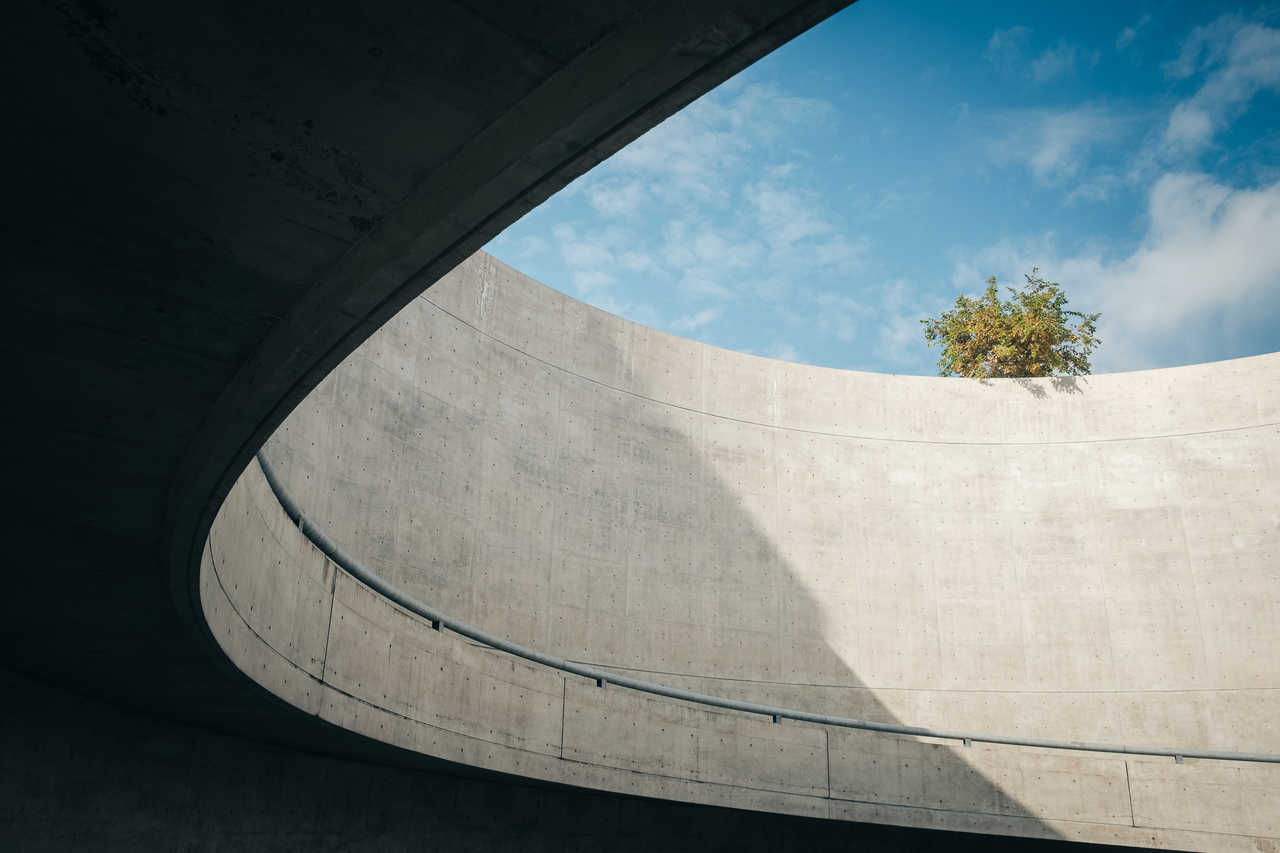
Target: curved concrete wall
{"points": [[1093, 559]]}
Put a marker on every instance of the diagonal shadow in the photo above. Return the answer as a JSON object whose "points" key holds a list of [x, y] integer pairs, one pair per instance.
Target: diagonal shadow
{"points": [[548, 472]]}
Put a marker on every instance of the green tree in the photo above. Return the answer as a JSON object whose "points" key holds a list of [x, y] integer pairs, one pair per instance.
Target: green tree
{"points": [[1033, 334]]}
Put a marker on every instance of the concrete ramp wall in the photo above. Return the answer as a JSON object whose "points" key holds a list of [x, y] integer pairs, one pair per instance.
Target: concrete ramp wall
{"points": [[1094, 559]]}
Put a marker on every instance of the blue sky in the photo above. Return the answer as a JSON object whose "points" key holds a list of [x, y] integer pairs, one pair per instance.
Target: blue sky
{"points": [[818, 205]]}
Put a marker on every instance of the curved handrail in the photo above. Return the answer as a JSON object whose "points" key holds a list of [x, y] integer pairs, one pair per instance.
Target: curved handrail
{"points": [[440, 621]]}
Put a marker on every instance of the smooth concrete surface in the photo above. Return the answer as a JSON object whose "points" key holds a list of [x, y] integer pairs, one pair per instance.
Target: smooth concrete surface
{"points": [[1091, 559]]}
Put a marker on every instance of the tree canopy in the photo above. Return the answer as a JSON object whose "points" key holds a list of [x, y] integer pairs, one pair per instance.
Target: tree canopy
{"points": [[1033, 334]]}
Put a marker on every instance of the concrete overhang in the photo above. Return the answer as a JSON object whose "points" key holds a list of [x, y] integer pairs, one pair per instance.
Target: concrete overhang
{"points": [[210, 208]]}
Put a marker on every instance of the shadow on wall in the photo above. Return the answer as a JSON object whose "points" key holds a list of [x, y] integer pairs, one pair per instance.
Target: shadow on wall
{"points": [[168, 787], [1060, 384], [499, 452]]}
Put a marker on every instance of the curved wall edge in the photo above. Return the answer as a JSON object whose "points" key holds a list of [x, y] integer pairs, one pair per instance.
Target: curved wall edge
{"points": [[303, 629], [513, 310], [1121, 587], [1101, 569]]}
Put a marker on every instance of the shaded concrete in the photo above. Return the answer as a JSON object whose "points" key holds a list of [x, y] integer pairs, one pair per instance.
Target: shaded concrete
{"points": [[78, 774], [211, 210]]}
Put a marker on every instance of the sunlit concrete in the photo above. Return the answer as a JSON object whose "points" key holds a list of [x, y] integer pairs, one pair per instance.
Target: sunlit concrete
{"points": [[1090, 559]]}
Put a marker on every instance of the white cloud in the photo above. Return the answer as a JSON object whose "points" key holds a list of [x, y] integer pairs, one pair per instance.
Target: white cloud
{"points": [[636, 261], [797, 230], [1005, 47], [884, 319], [1209, 261], [706, 261], [703, 284], [590, 259], [1209, 248], [526, 248], [590, 281], [839, 316], [714, 206], [693, 322], [683, 153], [687, 155], [1239, 61], [1007, 50], [1064, 139], [727, 215], [1099, 187], [783, 351], [785, 217], [899, 339], [616, 198], [1128, 34], [583, 254], [1057, 61], [1079, 148], [775, 109], [1062, 145], [874, 203], [1205, 46], [636, 312], [715, 249]]}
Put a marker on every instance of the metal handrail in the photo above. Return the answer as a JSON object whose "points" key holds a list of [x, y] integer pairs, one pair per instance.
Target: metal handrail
{"points": [[602, 677]]}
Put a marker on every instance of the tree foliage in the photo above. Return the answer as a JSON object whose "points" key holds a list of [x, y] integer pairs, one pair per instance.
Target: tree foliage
{"points": [[1033, 334]]}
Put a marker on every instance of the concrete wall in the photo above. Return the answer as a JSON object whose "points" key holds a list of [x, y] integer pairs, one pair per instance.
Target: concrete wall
{"points": [[78, 774], [1087, 559]]}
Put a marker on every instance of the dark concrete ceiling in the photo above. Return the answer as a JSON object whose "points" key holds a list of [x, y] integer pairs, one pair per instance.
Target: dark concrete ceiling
{"points": [[209, 208]]}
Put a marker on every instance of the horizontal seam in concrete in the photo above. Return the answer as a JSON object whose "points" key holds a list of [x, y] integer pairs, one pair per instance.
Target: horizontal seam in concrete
{"points": [[941, 810], [352, 696], [217, 576], [683, 780], [887, 804], [1048, 821], [904, 688], [435, 726], [825, 433], [686, 780], [401, 600]]}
